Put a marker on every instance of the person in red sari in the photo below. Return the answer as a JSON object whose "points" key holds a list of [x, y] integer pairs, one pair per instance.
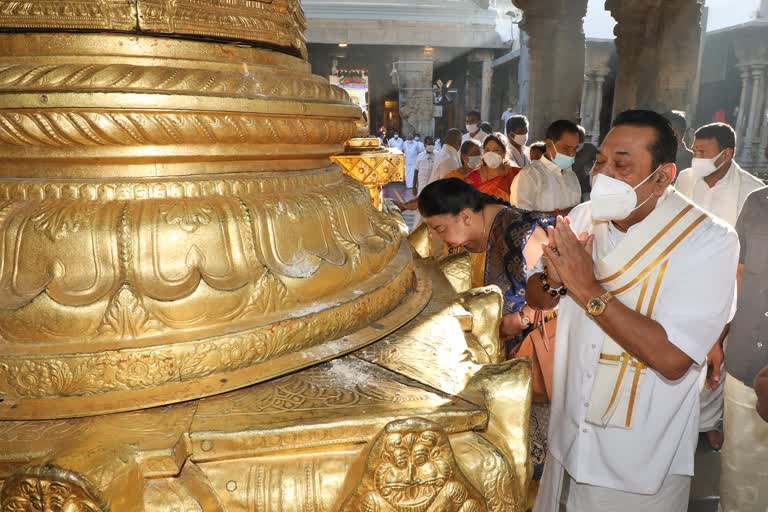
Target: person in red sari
{"points": [[495, 175]]}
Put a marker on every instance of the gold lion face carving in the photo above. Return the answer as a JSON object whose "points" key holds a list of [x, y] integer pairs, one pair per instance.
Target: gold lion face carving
{"points": [[47, 489], [410, 468]]}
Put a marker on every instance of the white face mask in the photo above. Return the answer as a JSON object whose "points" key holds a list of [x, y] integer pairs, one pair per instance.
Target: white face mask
{"points": [[430, 148], [396, 136], [417, 139], [520, 140], [703, 167], [492, 160], [471, 128], [614, 199], [473, 162]]}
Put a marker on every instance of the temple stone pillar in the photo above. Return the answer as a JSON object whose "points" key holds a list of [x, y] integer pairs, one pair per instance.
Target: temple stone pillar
{"points": [[658, 47], [486, 80], [414, 79], [752, 122], [556, 43], [596, 68]]}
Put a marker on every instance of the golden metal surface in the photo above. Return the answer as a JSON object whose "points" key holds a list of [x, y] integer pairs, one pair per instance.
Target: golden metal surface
{"points": [[176, 249], [373, 165]]}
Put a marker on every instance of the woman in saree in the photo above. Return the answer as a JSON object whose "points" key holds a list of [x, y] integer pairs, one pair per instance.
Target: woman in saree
{"points": [[495, 175], [462, 216], [471, 154]]}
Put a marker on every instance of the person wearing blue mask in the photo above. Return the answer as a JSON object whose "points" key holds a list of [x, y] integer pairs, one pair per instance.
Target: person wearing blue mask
{"points": [[549, 184]]}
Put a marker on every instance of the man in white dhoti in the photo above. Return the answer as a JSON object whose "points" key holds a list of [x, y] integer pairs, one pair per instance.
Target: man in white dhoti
{"points": [[650, 281], [396, 142], [448, 158], [412, 148], [720, 186], [472, 124], [517, 132]]}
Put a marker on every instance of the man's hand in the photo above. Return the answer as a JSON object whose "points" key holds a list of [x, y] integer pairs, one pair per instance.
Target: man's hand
{"points": [[570, 260], [715, 360]]}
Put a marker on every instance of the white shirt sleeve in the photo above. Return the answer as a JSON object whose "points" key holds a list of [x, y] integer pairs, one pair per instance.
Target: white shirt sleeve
{"points": [[698, 292], [524, 190]]}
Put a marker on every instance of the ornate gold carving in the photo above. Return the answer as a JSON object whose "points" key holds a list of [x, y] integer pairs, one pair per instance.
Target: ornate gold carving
{"points": [[487, 469], [356, 397], [83, 374], [117, 128], [373, 166], [69, 14], [256, 81], [276, 22], [48, 489], [410, 468]]}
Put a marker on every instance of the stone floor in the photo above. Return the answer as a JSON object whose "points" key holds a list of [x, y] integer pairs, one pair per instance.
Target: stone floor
{"points": [[705, 491]]}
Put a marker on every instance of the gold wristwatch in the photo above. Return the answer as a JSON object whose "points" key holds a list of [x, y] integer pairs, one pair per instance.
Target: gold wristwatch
{"points": [[596, 306]]}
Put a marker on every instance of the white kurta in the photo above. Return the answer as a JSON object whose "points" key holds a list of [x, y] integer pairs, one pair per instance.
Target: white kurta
{"points": [[542, 186], [520, 158], [447, 160], [411, 149], [724, 200], [396, 143], [479, 137], [692, 304], [424, 165]]}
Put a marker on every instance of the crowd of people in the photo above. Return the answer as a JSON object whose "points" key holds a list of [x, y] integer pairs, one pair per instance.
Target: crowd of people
{"points": [[651, 260]]}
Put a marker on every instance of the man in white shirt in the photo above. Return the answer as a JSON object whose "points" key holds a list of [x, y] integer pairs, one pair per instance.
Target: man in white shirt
{"points": [[505, 116], [472, 124], [720, 186], [396, 142], [549, 184], [517, 133], [650, 280], [412, 148], [448, 159], [424, 165]]}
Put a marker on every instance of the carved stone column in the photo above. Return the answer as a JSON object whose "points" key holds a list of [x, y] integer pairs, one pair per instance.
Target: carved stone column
{"points": [[752, 135], [657, 43], [486, 80], [556, 40], [415, 86], [588, 103], [744, 102], [599, 82]]}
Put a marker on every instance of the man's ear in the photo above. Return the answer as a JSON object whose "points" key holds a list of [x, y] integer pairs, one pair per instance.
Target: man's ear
{"points": [[666, 177]]}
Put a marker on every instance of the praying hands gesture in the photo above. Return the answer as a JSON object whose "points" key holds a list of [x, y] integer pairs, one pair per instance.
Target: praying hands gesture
{"points": [[569, 260]]}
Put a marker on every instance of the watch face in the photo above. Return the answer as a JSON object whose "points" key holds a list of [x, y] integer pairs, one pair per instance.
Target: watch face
{"points": [[595, 306]]}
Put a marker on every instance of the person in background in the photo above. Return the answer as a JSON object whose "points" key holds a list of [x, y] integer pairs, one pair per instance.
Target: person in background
{"points": [[644, 280], [537, 150], [582, 166], [720, 186], [510, 112], [471, 158], [471, 153], [679, 123], [744, 457], [448, 158], [517, 133], [472, 124], [396, 142], [496, 173], [412, 148], [424, 164], [549, 184], [438, 144]]}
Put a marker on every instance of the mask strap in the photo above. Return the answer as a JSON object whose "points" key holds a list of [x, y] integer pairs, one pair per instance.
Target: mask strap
{"points": [[641, 184]]}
